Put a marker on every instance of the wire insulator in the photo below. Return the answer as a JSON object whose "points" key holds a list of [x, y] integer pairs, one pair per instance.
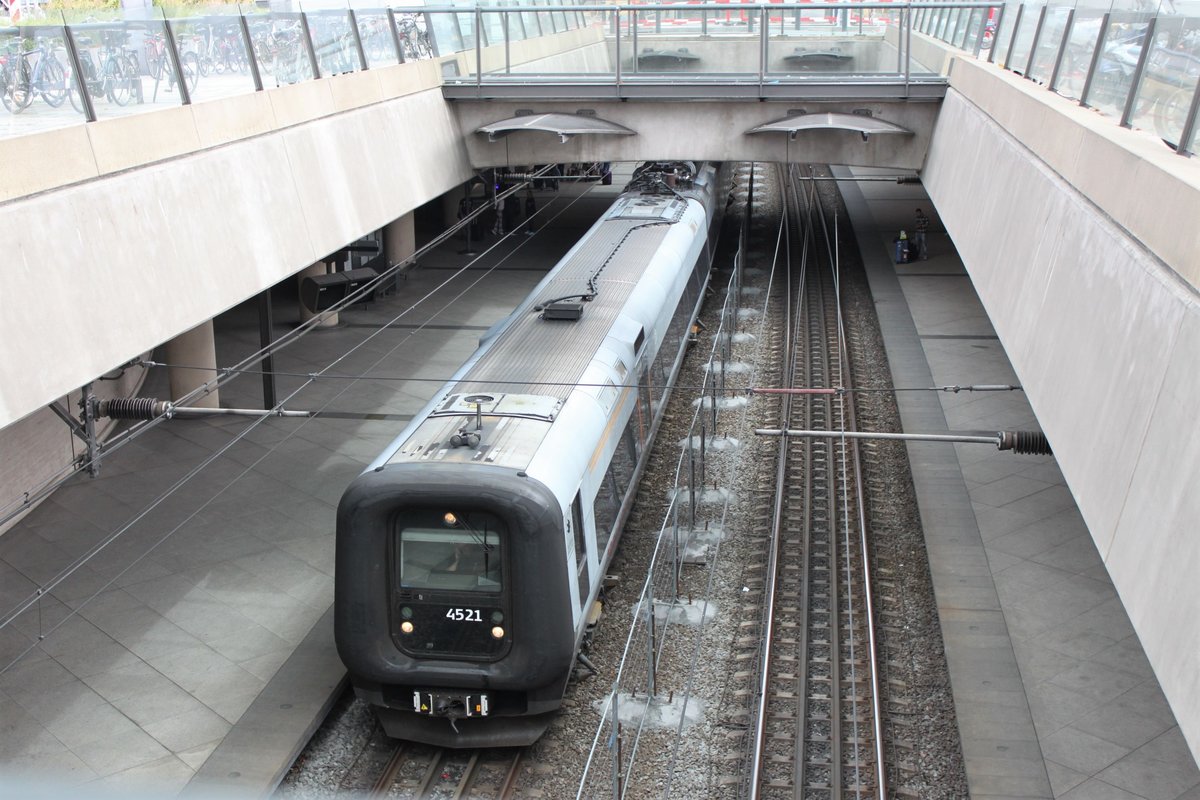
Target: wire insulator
{"points": [[141, 408], [1032, 443]]}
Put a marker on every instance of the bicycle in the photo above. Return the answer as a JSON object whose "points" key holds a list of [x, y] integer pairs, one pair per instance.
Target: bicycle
{"points": [[158, 64], [414, 38], [114, 79], [20, 82], [281, 52], [227, 52]]}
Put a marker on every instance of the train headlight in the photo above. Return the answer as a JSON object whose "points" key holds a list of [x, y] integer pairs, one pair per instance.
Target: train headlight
{"points": [[450, 519], [498, 632], [406, 626], [497, 617]]}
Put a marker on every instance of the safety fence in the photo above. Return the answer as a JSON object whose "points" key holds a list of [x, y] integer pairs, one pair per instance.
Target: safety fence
{"points": [[1135, 62]]}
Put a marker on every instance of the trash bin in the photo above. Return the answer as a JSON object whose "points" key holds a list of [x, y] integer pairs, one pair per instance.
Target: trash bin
{"points": [[902, 251]]}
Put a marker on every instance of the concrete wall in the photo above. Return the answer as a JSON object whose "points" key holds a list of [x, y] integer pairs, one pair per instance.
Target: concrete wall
{"points": [[164, 220], [1082, 241], [701, 131]]}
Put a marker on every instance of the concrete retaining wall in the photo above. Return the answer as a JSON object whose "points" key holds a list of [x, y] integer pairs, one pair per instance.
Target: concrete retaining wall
{"points": [[1081, 240], [180, 238]]}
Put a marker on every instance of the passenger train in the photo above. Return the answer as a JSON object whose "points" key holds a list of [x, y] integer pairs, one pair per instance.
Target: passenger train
{"points": [[470, 553]]}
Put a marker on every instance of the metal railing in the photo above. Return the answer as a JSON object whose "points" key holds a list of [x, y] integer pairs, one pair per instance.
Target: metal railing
{"points": [[1142, 68]]}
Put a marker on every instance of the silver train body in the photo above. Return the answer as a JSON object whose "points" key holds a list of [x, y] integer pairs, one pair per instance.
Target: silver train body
{"points": [[469, 554]]}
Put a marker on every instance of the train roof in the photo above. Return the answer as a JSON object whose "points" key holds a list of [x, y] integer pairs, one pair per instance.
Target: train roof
{"points": [[518, 384], [537, 355]]}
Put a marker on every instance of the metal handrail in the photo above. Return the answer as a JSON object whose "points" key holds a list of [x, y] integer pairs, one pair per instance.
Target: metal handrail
{"points": [[750, 17]]}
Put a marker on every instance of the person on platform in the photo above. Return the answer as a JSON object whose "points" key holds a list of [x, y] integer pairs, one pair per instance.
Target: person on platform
{"points": [[919, 247]]}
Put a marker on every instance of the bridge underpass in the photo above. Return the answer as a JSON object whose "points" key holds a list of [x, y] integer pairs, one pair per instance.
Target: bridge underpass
{"points": [[1093, 294]]}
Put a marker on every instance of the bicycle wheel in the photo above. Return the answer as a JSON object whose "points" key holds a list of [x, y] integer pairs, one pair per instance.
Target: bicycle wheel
{"points": [[76, 100], [154, 62], [52, 81], [265, 55], [1170, 116], [190, 65], [18, 93], [118, 83]]}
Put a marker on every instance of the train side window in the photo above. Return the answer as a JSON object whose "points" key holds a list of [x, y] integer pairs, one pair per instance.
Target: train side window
{"points": [[623, 461], [577, 524], [580, 548], [607, 504]]}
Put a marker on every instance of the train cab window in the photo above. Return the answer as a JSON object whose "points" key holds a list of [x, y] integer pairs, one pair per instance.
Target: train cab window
{"points": [[463, 557]]}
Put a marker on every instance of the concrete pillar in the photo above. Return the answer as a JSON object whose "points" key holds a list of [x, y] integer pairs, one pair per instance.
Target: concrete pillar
{"points": [[318, 268], [400, 239], [450, 201], [195, 348]]}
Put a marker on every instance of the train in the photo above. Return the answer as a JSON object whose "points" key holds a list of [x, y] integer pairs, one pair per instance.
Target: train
{"points": [[470, 554]]}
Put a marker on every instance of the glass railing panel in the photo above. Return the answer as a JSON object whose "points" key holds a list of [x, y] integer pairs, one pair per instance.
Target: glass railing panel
{"points": [[379, 45], [493, 25], [36, 81], [827, 42], [1017, 56], [944, 24], [497, 54], [442, 33], [972, 25], [531, 24], [1169, 78], [466, 30], [333, 42], [1054, 29], [958, 27], [974, 28], [934, 23], [1113, 76], [125, 66], [214, 46], [1002, 38], [515, 26], [560, 20], [545, 21], [280, 47], [1079, 49]]}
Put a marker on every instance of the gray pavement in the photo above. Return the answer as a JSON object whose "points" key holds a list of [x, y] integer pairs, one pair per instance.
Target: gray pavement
{"points": [[1053, 693]]}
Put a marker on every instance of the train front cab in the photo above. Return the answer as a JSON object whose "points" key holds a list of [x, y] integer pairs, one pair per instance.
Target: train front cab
{"points": [[453, 613]]}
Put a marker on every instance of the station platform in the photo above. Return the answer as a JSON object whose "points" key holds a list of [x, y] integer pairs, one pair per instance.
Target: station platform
{"points": [[1054, 696], [193, 654]]}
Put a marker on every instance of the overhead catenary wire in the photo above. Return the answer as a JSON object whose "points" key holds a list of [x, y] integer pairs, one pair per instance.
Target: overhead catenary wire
{"points": [[748, 389], [30, 497], [44, 588]]}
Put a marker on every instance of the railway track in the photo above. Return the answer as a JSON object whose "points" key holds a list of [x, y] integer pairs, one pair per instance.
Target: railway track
{"points": [[406, 771], [817, 726]]}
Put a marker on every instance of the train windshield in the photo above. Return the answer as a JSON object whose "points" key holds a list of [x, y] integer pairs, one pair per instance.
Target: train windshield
{"points": [[463, 556]]}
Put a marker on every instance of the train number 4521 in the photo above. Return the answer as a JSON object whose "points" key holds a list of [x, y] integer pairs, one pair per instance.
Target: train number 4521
{"points": [[464, 615]]}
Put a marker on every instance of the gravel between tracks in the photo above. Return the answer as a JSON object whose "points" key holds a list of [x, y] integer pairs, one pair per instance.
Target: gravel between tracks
{"points": [[708, 761]]}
